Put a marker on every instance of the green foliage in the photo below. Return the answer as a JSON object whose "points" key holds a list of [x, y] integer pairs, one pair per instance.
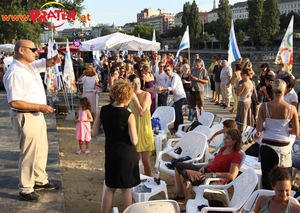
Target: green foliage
{"points": [[178, 41], [145, 31], [223, 22], [286, 18], [211, 27], [240, 37], [241, 24], [255, 9], [270, 27], [191, 18], [105, 31], [15, 30]]}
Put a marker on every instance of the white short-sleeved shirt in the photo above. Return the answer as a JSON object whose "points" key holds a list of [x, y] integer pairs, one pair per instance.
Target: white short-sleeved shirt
{"points": [[25, 83], [291, 97]]}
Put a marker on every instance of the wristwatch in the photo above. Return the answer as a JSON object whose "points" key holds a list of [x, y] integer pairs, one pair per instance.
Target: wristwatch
{"points": [[214, 175]]}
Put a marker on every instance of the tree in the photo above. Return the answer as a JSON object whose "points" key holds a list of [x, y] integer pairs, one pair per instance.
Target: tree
{"points": [[206, 38], [223, 22], [190, 17], [241, 24], [15, 30], [255, 9], [105, 31], [240, 37], [270, 27]]}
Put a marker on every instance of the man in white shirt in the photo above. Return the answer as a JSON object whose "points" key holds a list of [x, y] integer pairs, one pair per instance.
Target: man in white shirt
{"points": [[225, 76], [179, 97], [161, 79], [27, 99]]}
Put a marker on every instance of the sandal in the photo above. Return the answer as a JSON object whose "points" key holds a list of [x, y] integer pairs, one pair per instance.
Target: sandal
{"points": [[182, 207], [231, 111], [78, 152], [176, 197], [212, 100]]}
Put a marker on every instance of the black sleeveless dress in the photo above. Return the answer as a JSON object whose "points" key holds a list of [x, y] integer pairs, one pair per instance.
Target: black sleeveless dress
{"points": [[121, 161]]}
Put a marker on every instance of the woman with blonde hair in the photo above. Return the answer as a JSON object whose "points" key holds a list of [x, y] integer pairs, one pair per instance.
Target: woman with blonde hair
{"points": [[140, 107], [121, 161], [90, 81], [276, 116]]}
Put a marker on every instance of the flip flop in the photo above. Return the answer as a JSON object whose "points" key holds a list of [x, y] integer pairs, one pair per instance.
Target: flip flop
{"points": [[176, 197], [182, 207]]}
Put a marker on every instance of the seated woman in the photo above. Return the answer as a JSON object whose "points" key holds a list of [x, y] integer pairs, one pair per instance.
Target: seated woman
{"points": [[225, 165], [281, 182], [227, 124]]}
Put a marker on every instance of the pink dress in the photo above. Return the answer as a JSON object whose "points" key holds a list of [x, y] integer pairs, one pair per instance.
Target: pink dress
{"points": [[83, 129]]}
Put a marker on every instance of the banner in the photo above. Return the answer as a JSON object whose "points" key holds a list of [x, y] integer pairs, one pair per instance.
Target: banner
{"points": [[68, 76], [285, 52]]}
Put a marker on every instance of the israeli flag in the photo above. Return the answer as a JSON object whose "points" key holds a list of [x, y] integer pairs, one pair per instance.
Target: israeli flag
{"points": [[153, 36], [96, 60], [184, 44], [233, 51]]}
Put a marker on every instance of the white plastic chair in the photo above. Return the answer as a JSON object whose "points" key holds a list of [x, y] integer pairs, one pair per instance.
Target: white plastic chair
{"points": [[206, 119], [204, 130], [154, 206], [209, 180], [243, 185], [251, 202], [166, 114], [215, 142], [193, 144]]}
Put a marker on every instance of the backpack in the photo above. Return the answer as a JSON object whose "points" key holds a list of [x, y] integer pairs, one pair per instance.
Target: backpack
{"points": [[193, 126]]}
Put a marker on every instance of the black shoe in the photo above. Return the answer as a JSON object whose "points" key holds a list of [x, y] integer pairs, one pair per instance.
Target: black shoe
{"points": [[47, 186], [222, 104], [33, 196], [217, 103], [224, 107]]}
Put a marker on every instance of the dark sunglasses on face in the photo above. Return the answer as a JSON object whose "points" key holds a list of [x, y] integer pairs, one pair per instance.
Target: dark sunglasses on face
{"points": [[33, 49], [166, 70]]}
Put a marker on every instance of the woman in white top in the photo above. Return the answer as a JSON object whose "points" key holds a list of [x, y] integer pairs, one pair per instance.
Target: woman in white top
{"points": [[90, 80], [275, 148]]}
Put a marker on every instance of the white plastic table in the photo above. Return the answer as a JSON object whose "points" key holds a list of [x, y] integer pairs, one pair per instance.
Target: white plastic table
{"points": [[139, 195]]}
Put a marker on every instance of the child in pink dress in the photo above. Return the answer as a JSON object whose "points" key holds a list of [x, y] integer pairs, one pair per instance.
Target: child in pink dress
{"points": [[83, 126]]}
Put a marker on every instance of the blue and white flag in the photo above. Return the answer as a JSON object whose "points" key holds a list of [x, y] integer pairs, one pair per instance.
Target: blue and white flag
{"points": [[153, 36], [233, 51], [184, 44], [96, 60]]}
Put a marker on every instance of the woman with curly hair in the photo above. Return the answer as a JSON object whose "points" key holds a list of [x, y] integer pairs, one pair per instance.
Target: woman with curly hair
{"points": [[121, 161]]}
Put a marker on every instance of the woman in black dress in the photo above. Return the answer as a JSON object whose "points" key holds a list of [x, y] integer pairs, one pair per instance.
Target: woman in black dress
{"points": [[121, 161]]}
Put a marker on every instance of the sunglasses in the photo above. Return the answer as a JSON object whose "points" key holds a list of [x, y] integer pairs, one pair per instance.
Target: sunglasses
{"points": [[33, 49], [166, 70]]}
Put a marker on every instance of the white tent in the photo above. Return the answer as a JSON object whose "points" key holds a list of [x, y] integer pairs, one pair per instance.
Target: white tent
{"points": [[119, 41], [7, 47]]}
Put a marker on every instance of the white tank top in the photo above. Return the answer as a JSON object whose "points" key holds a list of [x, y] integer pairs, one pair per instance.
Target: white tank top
{"points": [[277, 129]]}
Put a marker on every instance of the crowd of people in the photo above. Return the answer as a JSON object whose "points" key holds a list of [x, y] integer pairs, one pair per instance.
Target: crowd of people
{"points": [[133, 84]]}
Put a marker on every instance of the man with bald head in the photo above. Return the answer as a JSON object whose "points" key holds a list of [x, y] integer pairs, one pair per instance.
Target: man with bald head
{"points": [[27, 99]]}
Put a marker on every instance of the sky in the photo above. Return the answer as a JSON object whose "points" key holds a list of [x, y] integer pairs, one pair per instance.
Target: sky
{"points": [[122, 12]]}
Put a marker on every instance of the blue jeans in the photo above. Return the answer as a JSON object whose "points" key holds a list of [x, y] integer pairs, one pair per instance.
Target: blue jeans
{"points": [[162, 99], [296, 161], [178, 113]]}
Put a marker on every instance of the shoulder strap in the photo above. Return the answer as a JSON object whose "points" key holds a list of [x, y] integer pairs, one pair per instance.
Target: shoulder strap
{"points": [[267, 110]]}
